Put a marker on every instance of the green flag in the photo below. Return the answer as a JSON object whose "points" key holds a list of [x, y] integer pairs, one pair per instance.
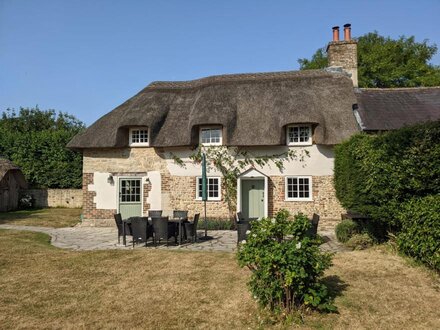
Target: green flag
{"points": [[204, 179]]}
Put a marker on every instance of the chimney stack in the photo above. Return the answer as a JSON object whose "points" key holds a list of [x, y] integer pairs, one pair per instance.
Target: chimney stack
{"points": [[343, 53], [335, 33], [347, 32]]}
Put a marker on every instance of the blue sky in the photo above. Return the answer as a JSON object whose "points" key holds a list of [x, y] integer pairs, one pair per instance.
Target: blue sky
{"points": [[86, 57]]}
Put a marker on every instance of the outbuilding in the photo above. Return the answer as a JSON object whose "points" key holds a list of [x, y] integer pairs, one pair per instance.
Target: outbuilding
{"points": [[11, 181]]}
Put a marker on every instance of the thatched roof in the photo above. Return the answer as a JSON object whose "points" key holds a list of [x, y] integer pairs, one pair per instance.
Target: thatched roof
{"points": [[388, 109], [6, 166], [252, 108]]}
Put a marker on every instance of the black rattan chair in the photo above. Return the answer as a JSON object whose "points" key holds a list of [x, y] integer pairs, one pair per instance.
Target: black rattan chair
{"points": [[154, 213], [150, 230], [120, 224], [191, 228], [242, 228], [163, 229], [180, 215], [313, 231], [139, 229]]}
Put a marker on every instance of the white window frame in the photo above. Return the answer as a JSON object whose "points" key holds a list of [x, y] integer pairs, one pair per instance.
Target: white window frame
{"points": [[298, 199], [211, 128], [303, 143], [219, 198], [139, 144]]}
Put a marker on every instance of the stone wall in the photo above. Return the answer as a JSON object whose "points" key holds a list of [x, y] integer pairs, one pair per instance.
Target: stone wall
{"points": [[70, 198], [179, 192], [324, 200]]}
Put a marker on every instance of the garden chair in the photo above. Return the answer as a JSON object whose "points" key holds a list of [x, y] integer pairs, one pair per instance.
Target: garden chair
{"points": [[180, 215], [150, 230], [163, 229], [120, 224], [139, 229], [154, 213], [191, 227], [313, 231]]}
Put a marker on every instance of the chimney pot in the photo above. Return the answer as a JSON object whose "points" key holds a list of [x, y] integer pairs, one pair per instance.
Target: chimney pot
{"points": [[335, 33], [347, 32]]}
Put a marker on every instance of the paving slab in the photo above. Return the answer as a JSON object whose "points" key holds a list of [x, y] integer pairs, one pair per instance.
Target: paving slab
{"points": [[105, 238]]}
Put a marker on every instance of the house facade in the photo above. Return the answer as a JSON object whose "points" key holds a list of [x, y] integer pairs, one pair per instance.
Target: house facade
{"points": [[130, 154]]}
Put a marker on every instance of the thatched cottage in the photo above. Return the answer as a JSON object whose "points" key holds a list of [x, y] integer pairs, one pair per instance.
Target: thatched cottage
{"points": [[129, 154], [11, 181]]}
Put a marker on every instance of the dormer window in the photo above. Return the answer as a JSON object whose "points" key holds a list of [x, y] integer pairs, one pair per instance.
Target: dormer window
{"points": [[139, 137], [299, 135], [210, 136]]}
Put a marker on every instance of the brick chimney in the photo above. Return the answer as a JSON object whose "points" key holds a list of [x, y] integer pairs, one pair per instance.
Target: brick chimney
{"points": [[343, 53]]}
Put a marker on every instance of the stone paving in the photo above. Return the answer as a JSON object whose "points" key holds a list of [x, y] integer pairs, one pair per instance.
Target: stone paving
{"points": [[105, 238]]}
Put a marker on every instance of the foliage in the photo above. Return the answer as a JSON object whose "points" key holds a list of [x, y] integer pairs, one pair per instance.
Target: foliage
{"points": [[230, 162], [375, 174], [385, 62], [26, 202], [286, 264], [345, 230], [420, 234], [360, 241], [36, 141]]}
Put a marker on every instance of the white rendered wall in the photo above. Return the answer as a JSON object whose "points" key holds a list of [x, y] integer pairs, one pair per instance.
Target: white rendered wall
{"points": [[155, 195], [319, 163], [106, 195]]}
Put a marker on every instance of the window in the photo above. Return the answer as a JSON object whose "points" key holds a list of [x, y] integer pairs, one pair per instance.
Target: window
{"points": [[210, 136], [299, 135], [139, 137], [299, 188], [214, 188], [130, 190]]}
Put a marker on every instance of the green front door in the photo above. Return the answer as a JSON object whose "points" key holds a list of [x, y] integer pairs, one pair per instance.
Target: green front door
{"points": [[252, 198], [130, 198]]}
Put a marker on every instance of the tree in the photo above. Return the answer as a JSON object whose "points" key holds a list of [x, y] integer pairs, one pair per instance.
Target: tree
{"points": [[36, 141], [385, 62]]}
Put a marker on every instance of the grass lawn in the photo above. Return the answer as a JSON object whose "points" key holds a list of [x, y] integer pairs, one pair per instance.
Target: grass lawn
{"points": [[53, 217], [45, 287]]}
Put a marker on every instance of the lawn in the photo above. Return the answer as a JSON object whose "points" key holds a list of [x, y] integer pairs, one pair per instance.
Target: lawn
{"points": [[51, 217], [45, 287]]}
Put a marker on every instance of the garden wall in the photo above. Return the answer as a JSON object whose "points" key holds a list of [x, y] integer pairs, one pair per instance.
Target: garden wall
{"points": [[70, 198]]}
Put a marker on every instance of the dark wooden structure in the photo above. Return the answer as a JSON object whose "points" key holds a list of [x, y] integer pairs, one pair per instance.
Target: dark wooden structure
{"points": [[11, 181]]}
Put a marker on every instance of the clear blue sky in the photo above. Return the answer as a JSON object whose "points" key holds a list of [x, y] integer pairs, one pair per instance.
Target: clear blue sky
{"points": [[86, 57]]}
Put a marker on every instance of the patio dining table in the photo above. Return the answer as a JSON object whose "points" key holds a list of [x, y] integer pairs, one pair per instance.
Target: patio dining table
{"points": [[178, 221]]}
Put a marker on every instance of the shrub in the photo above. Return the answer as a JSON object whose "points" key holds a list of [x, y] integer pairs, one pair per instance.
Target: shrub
{"points": [[286, 264], [345, 230], [214, 224], [360, 241], [420, 234], [374, 174]]}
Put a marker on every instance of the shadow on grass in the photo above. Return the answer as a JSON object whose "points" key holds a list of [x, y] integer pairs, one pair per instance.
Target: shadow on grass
{"points": [[335, 285], [5, 217]]}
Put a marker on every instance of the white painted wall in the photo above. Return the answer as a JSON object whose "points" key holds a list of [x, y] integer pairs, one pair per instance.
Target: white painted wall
{"points": [[154, 197], [106, 193], [319, 163]]}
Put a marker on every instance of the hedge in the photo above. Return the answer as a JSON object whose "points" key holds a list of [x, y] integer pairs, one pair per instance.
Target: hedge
{"points": [[374, 174], [420, 234]]}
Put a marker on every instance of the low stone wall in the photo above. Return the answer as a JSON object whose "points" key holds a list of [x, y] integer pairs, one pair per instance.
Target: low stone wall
{"points": [[69, 198]]}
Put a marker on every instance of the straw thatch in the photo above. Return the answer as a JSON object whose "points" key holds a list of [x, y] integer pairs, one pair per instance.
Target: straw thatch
{"points": [[252, 108], [388, 109], [6, 166]]}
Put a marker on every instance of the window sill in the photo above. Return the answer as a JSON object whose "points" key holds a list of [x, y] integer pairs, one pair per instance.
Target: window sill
{"points": [[298, 199], [210, 199], [299, 144], [139, 145]]}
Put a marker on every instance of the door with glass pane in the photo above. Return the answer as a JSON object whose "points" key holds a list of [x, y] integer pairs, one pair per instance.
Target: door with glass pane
{"points": [[130, 198]]}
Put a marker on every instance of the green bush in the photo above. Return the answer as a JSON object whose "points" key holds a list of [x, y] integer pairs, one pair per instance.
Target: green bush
{"points": [[420, 234], [360, 241], [286, 264], [345, 230], [214, 224], [375, 174]]}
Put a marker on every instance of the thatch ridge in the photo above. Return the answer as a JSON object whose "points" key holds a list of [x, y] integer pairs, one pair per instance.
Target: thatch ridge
{"points": [[253, 109]]}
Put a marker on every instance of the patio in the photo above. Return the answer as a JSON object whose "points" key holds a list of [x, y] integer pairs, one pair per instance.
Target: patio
{"points": [[105, 238]]}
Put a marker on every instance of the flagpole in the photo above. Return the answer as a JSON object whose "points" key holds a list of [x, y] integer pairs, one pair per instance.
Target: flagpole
{"points": [[205, 195]]}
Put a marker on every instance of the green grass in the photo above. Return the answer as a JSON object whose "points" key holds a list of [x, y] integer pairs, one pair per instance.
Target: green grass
{"points": [[50, 217]]}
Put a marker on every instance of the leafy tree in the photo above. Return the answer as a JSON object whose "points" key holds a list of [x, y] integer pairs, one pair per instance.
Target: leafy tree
{"points": [[36, 141], [385, 62]]}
